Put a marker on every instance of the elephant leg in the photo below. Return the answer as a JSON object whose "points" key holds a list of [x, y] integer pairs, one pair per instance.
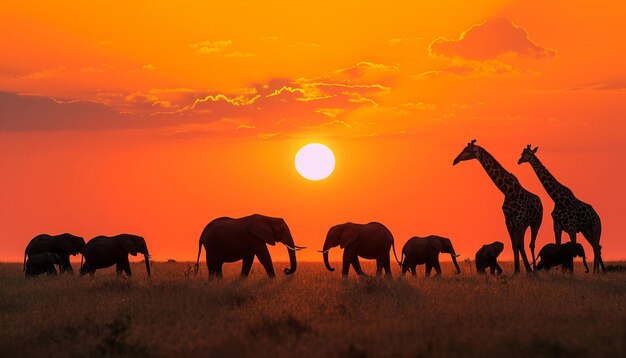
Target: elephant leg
{"points": [[492, 270], [497, 267], [356, 265], [404, 269], [414, 270], [218, 270], [437, 267], [379, 267], [387, 268], [65, 265], [246, 265], [429, 268], [265, 259]]}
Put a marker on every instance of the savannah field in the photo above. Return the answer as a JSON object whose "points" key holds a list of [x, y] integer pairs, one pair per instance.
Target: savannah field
{"points": [[314, 313]]}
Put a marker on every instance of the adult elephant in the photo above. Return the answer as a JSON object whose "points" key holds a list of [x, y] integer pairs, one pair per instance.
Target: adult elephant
{"points": [[63, 245], [38, 264], [487, 256], [103, 251], [425, 250], [228, 240], [561, 254], [369, 241]]}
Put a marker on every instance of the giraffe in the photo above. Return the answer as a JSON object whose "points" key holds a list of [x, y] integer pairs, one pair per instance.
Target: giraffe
{"points": [[521, 208], [570, 214]]}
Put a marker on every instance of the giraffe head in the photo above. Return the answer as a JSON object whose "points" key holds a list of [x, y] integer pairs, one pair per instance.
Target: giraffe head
{"points": [[467, 153], [527, 154]]}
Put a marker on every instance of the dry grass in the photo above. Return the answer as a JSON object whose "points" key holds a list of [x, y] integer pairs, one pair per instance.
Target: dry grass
{"points": [[313, 313]]}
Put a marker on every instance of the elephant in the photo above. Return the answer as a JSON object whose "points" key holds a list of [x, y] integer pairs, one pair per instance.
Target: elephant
{"points": [[561, 254], [425, 250], [103, 251], [228, 239], [487, 256], [63, 245], [44, 262], [369, 241]]}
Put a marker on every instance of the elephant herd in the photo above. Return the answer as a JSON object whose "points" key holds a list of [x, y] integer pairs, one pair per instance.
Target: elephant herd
{"points": [[229, 240], [46, 251]]}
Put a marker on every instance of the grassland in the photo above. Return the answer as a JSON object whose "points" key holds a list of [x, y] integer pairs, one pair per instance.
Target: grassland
{"points": [[312, 313]]}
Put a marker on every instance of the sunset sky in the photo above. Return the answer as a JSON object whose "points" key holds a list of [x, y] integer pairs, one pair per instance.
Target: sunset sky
{"points": [[155, 117]]}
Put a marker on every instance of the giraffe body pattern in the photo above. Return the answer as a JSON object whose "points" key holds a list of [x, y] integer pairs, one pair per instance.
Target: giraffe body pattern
{"points": [[522, 209], [570, 214]]}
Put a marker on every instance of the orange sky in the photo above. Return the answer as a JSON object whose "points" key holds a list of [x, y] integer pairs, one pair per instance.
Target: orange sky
{"points": [[155, 117]]}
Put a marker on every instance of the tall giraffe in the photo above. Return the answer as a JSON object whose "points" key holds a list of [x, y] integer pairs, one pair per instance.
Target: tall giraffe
{"points": [[570, 214], [521, 208]]}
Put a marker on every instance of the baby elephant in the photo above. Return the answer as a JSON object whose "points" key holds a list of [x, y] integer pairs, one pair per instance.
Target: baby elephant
{"points": [[487, 256], [44, 262], [418, 251], [561, 254]]}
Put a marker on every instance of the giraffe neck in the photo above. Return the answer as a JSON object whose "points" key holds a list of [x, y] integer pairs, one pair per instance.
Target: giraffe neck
{"points": [[505, 181], [549, 182]]}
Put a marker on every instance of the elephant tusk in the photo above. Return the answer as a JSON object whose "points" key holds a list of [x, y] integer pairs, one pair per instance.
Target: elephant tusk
{"points": [[457, 255], [300, 247], [323, 252]]}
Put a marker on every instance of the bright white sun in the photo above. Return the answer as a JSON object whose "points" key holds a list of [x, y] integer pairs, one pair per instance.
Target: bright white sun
{"points": [[315, 161]]}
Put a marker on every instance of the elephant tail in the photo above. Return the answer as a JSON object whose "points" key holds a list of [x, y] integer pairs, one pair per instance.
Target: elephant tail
{"points": [[197, 266], [393, 246]]}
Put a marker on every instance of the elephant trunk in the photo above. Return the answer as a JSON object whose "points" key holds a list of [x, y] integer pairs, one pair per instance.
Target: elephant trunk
{"points": [[146, 258], [326, 263], [585, 263], [456, 265], [292, 262]]}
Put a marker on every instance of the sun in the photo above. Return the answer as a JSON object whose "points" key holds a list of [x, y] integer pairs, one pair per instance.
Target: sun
{"points": [[315, 161]]}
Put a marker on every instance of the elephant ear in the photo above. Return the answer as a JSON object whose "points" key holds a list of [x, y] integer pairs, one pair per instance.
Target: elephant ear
{"points": [[262, 230], [437, 243], [347, 236], [570, 248], [128, 244], [66, 246]]}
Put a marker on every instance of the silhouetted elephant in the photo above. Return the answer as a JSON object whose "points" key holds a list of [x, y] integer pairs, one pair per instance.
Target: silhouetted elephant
{"points": [[63, 245], [369, 241], [487, 256], [103, 251], [38, 264], [561, 254], [419, 251], [229, 240]]}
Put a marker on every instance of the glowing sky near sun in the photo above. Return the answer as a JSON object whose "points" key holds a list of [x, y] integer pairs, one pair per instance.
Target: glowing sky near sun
{"points": [[156, 117]]}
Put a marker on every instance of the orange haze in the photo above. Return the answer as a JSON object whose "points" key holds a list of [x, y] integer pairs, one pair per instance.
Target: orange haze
{"points": [[154, 117]]}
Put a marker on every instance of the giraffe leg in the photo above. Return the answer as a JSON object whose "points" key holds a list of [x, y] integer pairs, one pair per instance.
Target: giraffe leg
{"points": [[513, 235], [572, 237], [534, 230], [597, 255], [558, 231]]}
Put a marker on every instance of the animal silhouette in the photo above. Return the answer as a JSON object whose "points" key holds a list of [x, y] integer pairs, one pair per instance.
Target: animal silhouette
{"points": [[487, 256], [370, 241], [561, 254], [522, 209], [229, 240], [425, 250], [103, 251], [63, 245], [570, 214], [41, 263]]}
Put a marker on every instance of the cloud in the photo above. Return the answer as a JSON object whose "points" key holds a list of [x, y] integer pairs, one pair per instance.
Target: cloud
{"points": [[488, 41], [211, 46], [27, 112], [260, 110], [466, 68]]}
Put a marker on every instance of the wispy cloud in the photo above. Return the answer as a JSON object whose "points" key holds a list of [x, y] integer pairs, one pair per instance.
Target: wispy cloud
{"points": [[211, 46]]}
